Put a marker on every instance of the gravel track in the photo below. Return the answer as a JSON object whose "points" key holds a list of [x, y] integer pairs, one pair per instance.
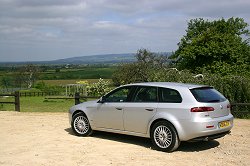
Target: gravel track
{"points": [[46, 139]]}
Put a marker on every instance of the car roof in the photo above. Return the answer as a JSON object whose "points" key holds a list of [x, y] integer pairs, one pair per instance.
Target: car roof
{"points": [[168, 85]]}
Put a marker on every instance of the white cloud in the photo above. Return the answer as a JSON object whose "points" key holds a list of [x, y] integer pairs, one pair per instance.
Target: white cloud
{"points": [[45, 29]]}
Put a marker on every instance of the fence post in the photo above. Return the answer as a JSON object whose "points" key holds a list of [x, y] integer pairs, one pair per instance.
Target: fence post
{"points": [[17, 101], [77, 98]]}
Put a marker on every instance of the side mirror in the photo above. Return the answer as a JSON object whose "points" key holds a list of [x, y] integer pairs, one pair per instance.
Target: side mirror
{"points": [[102, 100]]}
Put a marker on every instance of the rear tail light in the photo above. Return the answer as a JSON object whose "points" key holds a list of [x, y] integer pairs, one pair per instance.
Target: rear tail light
{"points": [[202, 109], [211, 126]]}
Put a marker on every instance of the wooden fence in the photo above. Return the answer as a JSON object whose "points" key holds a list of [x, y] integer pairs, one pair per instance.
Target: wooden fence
{"points": [[29, 94], [16, 102], [78, 97], [234, 111], [240, 113]]}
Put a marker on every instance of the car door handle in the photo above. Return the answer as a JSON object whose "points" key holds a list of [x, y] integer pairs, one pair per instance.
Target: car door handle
{"points": [[118, 108], [149, 109]]}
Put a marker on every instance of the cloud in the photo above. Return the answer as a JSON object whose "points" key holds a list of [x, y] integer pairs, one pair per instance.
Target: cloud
{"points": [[45, 29]]}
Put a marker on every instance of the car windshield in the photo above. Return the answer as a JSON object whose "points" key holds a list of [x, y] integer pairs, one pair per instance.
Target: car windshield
{"points": [[208, 95]]}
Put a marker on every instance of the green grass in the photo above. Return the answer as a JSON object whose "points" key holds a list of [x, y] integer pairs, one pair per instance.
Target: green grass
{"points": [[38, 104], [90, 73], [71, 81], [84, 73]]}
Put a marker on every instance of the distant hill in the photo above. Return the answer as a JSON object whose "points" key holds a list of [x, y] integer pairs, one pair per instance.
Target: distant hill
{"points": [[92, 59], [97, 59]]}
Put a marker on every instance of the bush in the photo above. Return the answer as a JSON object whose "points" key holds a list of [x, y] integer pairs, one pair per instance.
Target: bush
{"points": [[96, 89], [235, 88]]}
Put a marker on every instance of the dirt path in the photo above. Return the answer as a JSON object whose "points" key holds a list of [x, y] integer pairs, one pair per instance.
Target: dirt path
{"points": [[46, 139]]}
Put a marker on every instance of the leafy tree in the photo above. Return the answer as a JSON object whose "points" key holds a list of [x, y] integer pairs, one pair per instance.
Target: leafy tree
{"points": [[220, 46], [18, 80], [140, 71], [28, 74]]}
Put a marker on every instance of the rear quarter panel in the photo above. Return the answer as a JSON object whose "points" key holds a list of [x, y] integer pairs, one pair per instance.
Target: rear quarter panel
{"points": [[176, 113]]}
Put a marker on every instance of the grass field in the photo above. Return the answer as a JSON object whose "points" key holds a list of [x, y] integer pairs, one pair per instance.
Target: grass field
{"points": [[38, 104], [72, 81], [64, 76], [84, 73]]}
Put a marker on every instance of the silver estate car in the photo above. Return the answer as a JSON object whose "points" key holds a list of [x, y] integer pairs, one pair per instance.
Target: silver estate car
{"points": [[165, 112]]}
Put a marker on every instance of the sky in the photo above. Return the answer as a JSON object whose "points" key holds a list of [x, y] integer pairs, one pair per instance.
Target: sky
{"points": [[37, 30]]}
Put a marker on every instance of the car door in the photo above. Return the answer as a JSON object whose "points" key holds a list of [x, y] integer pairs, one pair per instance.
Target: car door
{"points": [[109, 113], [141, 109]]}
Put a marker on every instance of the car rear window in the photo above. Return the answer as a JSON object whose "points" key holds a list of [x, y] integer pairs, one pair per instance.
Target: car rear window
{"points": [[207, 95]]}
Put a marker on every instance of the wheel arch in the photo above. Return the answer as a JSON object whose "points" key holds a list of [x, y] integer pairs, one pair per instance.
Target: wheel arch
{"points": [[79, 111], [82, 131], [174, 141], [163, 119]]}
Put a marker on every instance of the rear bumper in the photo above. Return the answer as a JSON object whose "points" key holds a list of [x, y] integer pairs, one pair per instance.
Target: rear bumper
{"points": [[210, 137], [204, 128]]}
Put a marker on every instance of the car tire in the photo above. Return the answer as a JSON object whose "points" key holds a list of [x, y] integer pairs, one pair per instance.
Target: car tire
{"points": [[164, 136], [80, 125]]}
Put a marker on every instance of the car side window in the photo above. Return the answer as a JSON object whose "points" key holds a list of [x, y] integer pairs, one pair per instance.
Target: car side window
{"points": [[170, 96], [119, 95], [146, 94]]}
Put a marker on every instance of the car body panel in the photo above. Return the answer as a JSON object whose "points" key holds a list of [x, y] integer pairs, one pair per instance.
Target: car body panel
{"points": [[137, 116], [108, 116]]}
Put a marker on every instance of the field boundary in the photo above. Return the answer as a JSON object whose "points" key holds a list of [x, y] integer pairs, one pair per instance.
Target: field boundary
{"points": [[16, 102], [240, 112], [76, 97], [30, 94]]}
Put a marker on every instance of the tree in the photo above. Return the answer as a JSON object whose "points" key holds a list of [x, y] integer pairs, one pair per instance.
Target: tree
{"points": [[57, 70], [28, 74], [140, 71], [220, 46], [6, 82]]}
